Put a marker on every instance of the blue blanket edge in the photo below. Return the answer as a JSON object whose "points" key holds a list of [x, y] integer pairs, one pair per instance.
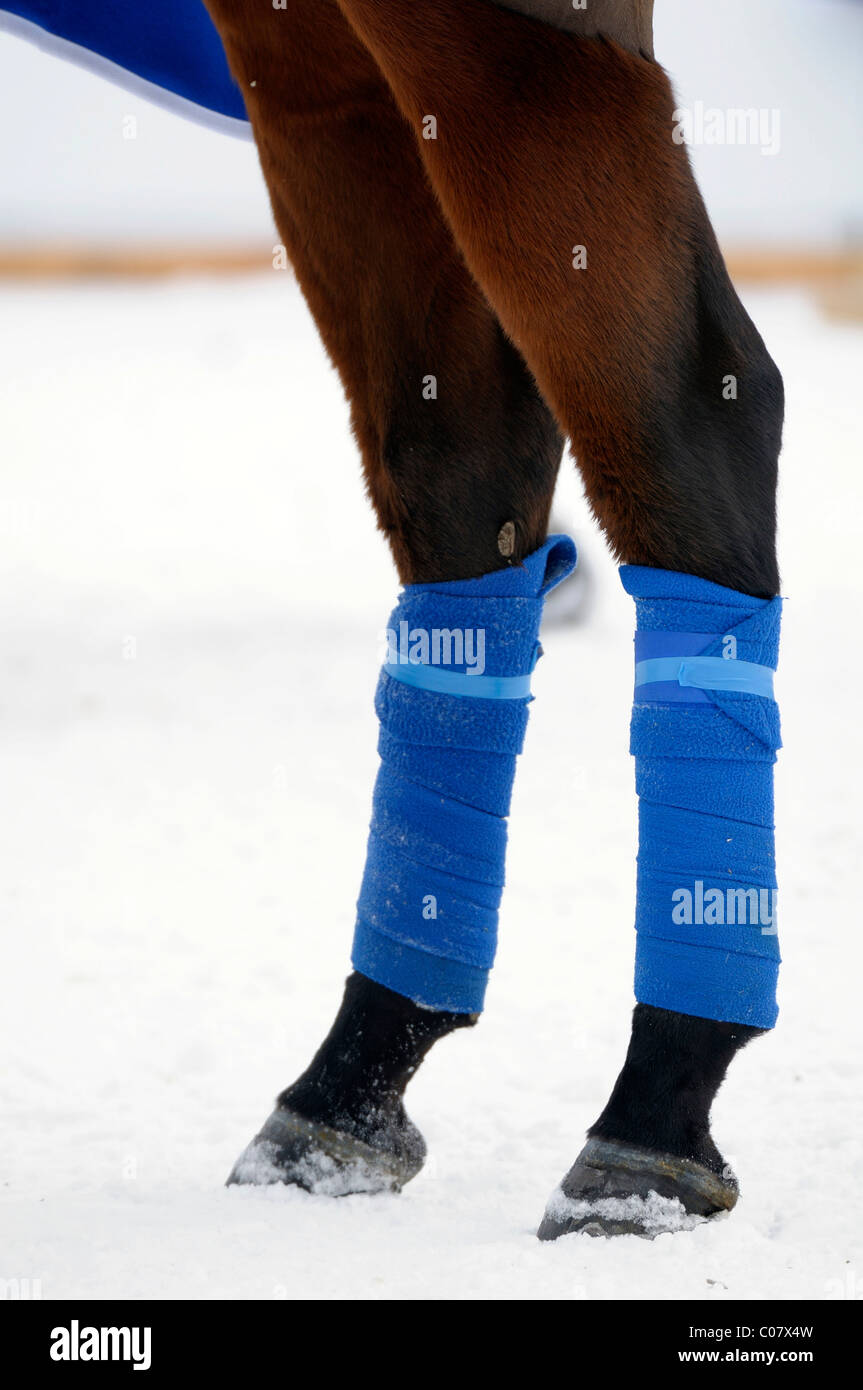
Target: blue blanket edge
{"points": [[172, 57]]}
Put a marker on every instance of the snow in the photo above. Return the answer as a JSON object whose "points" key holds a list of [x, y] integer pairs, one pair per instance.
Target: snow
{"points": [[320, 1173], [656, 1215], [192, 595]]}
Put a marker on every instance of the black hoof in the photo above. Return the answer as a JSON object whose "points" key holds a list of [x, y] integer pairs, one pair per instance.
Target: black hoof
{"points": [[617, 1189], [329, 1162]]}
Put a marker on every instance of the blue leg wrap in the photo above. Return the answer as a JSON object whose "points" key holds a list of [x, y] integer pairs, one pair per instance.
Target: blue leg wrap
{"points": [[705, 730], [453, 704]]}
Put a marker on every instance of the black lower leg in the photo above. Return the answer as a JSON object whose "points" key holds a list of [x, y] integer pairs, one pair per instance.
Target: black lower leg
{"points": [[358, 1076], [342, 1126], [673, 1069], [650, 1163]]}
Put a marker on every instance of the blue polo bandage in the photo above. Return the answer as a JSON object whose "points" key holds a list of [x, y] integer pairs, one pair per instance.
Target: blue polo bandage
{"points": [[453, 705], [705, 730]]}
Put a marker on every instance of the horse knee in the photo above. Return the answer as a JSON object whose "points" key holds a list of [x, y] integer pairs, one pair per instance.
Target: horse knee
{"points": [[721, 460], [698, 493], [463, 477]]}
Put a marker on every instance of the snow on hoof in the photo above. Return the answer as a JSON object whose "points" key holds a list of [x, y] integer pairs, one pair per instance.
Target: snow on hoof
{"points": [[617, 1189], [328, 1162]]}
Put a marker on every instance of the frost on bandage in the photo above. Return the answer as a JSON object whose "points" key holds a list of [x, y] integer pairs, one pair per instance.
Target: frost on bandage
{"points": [[453, 704], [705, 730]]}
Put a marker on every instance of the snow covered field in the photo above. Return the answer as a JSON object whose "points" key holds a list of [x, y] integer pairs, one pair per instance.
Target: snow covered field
{"points": [[191, 593]]}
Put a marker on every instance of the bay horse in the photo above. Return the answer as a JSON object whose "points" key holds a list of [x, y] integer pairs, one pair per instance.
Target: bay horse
{"points": [[502, 247]]}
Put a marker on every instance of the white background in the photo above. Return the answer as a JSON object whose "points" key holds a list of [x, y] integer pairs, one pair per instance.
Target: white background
{"points": [[191, 594], [67, 172]]}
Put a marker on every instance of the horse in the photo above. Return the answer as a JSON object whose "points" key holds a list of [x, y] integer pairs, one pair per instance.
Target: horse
{"points": [[504, 247]]}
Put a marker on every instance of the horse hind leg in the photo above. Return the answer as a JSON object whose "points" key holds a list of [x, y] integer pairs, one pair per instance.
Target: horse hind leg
{"points": [[457, 446]]}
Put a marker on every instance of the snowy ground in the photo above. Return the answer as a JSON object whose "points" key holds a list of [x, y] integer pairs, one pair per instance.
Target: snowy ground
{"points": [[191, 591]]}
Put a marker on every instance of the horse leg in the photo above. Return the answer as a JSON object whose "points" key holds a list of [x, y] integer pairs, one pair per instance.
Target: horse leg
{"points": [[578, 214], [446, 466]]}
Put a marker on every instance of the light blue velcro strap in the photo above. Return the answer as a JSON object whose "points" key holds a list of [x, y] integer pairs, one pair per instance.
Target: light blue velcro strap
{"points": [[707, 673], [444, 682]]}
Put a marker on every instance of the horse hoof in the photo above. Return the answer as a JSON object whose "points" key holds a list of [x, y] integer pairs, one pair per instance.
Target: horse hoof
{"points": [[616, 1189], [328, 1162]]}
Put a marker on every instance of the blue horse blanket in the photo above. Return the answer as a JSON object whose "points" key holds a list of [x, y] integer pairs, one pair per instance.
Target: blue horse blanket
{"points": [[169, 50]]}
